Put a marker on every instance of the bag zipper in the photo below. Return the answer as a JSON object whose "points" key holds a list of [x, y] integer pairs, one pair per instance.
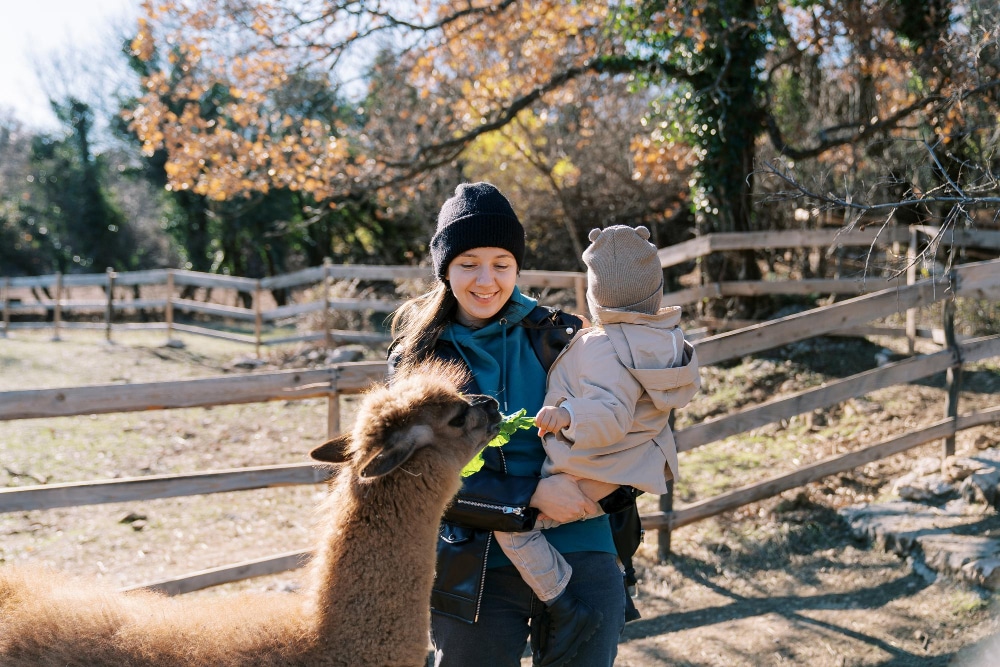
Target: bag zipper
{"points": [[505, 509]]}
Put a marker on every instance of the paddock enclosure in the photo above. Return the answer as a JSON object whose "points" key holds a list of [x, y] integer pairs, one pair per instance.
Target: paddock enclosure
{"points": [[895, 296]]}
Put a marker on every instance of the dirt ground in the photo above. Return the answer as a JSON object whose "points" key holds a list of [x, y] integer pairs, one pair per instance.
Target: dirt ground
{"points": [[776, 582]]}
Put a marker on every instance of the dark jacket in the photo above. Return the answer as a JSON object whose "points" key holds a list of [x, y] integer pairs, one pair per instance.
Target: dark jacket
{"points": [[489, 500]]}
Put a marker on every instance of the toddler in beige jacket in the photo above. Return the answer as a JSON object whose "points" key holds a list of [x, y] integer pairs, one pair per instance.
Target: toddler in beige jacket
{"points": [[608, 401]]}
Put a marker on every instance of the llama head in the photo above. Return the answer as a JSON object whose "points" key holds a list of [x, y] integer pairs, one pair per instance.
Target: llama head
{"points": [[422, 420]]}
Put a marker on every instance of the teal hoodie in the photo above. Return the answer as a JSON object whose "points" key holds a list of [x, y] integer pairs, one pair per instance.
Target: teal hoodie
{"points": [[506, 367]]}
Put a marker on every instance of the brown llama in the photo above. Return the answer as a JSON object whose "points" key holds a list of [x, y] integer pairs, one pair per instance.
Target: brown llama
{"points": [[368, 598]]}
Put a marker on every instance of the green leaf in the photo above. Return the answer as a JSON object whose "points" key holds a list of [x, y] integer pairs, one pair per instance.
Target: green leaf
{"points": [[510, 425]]}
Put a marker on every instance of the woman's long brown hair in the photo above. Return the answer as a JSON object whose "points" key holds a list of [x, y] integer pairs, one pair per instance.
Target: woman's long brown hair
{"points": [[418, 323]]}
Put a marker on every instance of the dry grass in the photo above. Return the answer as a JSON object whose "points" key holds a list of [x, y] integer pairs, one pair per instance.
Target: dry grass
{"points": [[776, 582]]}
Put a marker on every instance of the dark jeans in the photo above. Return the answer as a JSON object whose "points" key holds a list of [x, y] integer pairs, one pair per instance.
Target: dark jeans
{"points": [[498, 639]]}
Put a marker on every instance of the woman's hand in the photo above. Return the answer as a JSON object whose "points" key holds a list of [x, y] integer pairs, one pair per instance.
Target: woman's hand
{"points": [[559, 498]]}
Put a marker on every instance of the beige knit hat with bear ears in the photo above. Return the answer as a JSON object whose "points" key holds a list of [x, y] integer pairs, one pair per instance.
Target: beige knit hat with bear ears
{"points": [[623, 270]]}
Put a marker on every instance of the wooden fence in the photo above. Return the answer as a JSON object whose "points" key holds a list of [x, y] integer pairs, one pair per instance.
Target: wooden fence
{"points": [[257, 317], [978, 281], [262, 320]]}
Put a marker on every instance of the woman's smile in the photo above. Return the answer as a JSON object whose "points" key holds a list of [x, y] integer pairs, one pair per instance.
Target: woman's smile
{"points": [[482, 280]]}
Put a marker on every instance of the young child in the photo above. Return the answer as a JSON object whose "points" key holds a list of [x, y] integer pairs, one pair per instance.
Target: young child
{"points": [[607, 404]]}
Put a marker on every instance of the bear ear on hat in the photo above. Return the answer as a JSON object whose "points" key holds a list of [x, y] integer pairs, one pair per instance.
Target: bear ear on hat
{"points": [[594, 233], [643, 232]]}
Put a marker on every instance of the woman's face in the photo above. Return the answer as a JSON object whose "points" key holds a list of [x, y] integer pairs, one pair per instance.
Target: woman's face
{"points": [[482, 279]]}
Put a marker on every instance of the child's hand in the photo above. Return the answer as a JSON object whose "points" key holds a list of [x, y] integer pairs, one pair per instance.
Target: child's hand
{"points": [[551, 419]]}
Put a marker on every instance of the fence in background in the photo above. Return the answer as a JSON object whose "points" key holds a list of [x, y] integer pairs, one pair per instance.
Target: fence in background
{"points": [[48, 296], [976, 281]]}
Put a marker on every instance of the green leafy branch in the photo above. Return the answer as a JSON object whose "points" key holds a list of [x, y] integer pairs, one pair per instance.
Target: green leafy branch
{"points": [[508, 427]]}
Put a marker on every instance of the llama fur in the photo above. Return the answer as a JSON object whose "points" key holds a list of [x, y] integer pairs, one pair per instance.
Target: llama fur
{"points": [[367, 601]]}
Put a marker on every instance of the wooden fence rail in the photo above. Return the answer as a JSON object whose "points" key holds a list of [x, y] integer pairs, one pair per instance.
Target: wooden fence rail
{"points": [[257, 316]]}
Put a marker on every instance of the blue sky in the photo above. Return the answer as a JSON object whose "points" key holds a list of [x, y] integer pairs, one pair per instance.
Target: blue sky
{"points": [[32, 30]]}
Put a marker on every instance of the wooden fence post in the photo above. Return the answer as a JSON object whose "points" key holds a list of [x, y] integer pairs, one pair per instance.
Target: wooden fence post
{"points": [[332, 414], [168, 313], [6, 307], [953, 379], [109, 312], [911, 277], [663, 534], [327, 338], [57, 313], [257, 317], [580, 287], [666, 505]]}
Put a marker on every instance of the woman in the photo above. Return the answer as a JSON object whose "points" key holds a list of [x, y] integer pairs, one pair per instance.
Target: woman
{"points": [[476, 316]]}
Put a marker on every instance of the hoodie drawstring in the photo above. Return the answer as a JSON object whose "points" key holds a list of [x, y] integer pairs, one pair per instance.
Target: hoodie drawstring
{"points": [[502, 389]]}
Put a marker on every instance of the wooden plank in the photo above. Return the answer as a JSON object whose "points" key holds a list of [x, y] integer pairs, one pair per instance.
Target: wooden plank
{"points": [[850, 312], [292, 310], [214, 333], [806, 238], [249, 569], [560, 279], [377, 305], [761, 287], [335, 335], [85, 280], [684, 252], [73, 494], [33, 281], [825, 468], [805, 401], [313, 274], [134, 326], [199, 279], [140, 303], [982, 292], [372, 272], [967, 238], [233, 312], [890, 332], [75, 304], [718, 325], [977, 276], [149, 277], [775, 485], [692, 295], [89, 305], [69, 280], [977, 349], [973, 419], [229, 390], [355, 377], [335, 303]]}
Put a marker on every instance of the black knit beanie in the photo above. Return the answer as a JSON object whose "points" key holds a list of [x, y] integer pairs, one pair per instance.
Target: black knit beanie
{"points": [[478, 216]]}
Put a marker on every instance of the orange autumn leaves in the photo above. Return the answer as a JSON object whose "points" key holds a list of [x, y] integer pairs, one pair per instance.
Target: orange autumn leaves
{"points": [[213, 97]]}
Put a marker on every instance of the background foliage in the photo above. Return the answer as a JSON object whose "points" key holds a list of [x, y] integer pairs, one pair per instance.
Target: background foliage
{"points": [[260, 137]]}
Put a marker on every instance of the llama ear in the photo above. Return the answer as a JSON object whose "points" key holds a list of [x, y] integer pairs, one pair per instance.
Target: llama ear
{"points": [[398, 451], [643, 232], [337, 450], [594, 233]]}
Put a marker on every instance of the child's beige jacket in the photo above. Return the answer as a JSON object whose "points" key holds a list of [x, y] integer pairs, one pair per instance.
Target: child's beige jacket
{"points": [[620, 380]]}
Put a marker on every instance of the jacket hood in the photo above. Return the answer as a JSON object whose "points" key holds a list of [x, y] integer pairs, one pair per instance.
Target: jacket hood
{"points": [[656, 354], [665, 318]]}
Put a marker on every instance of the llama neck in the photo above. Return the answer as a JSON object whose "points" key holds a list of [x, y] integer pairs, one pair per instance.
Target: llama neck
{"points": [[374, 571]]}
